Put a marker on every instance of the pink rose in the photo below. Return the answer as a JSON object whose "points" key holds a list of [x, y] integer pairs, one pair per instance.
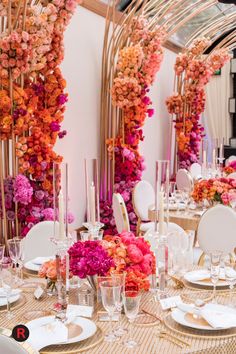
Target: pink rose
{"points": [[134, 253], [127, 237]]}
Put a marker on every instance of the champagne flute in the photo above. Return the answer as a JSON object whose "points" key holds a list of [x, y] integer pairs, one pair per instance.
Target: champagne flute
{"points": [[15, 250], [230, 277], [2, 250], [7, 283], [131, 305], [215, 270], [110, 291], [120, 330]]}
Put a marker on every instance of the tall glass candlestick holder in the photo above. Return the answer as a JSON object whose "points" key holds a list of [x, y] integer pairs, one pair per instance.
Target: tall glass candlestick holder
{"points": [[93, 223], [162, 205]]}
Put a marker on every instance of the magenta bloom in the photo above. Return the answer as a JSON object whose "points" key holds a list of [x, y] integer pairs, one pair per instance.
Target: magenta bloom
{"points": [[62, 99], [48, 214], [22, 190], [89, 258], [55, 127]]}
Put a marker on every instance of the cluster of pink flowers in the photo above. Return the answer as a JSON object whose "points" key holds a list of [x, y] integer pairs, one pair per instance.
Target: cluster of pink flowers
{"points": [[132, 255], [137, 66], [22, 190], [194, 72], [89, 258]]}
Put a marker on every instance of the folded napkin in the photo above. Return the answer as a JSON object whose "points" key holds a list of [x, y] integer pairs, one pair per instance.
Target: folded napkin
{"points": [[219, 316], [14, 292], [53, 332], [188, 308], [202, 274], [41, 260]]}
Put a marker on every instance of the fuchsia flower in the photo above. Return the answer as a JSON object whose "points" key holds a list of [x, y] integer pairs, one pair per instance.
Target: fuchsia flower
{"points": [[22, 190], [89, 258]]}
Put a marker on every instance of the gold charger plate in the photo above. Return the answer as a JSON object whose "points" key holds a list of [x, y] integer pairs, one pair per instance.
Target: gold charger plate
{"points": [[196, 333], [15, 305], [75, 348]]}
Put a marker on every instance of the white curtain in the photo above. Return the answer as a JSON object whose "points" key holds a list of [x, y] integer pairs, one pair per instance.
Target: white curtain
{"points": [[216, 115]]}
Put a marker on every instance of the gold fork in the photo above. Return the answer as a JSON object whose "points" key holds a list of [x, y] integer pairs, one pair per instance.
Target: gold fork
{"points": [[170, 339], [184, 342]]}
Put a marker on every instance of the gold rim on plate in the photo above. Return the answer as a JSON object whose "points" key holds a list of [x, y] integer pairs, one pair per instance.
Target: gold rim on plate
{"points": [[191, 332], [77, 347]]}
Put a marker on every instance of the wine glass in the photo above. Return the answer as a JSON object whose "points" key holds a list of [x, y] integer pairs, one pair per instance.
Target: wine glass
{"points": [[8, 284], [131, 305], [178, 198], [2, 250], [120, 278], [230, 276], [184, 245], [15, 249], [215, 270], [186, 199], [110, 291]]}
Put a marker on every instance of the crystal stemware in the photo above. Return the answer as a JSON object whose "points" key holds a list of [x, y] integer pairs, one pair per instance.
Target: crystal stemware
{"points": [[8, 285], [2, 250], [15, 249], [120, 278], [110, 291], [178, 198], [215, 271], [230, 277], [131, 305]]}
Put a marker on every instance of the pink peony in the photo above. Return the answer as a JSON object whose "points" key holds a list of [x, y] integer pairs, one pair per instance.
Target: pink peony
{"points": [[134, 253]]}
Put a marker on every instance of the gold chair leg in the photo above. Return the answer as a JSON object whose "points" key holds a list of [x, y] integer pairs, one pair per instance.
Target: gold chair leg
{"points": [[138, 227], [201, 260]]}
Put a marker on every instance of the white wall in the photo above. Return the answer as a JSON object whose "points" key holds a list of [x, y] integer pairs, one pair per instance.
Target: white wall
{"points": [[81, 69]]}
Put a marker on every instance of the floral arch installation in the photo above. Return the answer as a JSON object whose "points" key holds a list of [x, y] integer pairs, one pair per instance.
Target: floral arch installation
{"points": [[128, 71], [32, 104]]}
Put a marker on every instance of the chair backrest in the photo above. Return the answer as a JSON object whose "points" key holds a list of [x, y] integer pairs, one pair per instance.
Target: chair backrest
{"points": [[143, 198], [232, 175], [184, 180], [195, 170], [216, 230], [230, 159], [10, 346], [37, 242], [120, 213]]}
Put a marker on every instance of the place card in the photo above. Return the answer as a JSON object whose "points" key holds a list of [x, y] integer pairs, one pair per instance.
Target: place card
{"points": [[79, 310], [170, 302], [38, 293]]}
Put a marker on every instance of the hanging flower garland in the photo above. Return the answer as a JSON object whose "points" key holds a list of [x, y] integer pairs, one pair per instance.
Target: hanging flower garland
{"points": [[137, 66], [32, 105], [193, 71]]}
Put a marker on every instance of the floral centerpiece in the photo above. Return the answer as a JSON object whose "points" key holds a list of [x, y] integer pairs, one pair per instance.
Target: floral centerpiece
{"points": [[221, 190], [120, 253], [49, 271]]}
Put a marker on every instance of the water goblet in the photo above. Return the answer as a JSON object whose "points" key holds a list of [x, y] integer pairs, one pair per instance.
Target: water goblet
{"points": [[215, 271], [178, 198], [230, 277], [15, 249], [120, 278], [110, 291], [131, 305], [8, 284]]}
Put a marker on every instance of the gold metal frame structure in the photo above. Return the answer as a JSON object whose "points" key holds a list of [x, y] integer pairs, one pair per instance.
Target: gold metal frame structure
{"points": [[170, 15]]}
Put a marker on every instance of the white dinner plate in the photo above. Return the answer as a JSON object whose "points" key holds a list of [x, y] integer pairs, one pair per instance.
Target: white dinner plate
{"points": [[34, 265], [88, 329], [179, 317], [221, 283]]}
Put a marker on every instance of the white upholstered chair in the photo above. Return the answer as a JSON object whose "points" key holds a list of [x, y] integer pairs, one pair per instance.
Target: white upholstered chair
{"points": [[37, 242], [120, 213], [216, 230], [184, 180], [143, 198], [232, 175], [10, 346], [195, 170]]}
